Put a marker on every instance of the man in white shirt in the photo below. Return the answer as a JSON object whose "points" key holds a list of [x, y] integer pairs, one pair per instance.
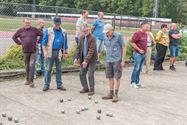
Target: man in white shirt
{"points": [[81, 22]]}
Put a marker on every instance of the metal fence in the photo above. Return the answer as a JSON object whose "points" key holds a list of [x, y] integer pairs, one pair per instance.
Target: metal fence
{"points": [[11, 15]]}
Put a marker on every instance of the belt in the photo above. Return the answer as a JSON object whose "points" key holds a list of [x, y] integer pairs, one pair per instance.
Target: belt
{"points": [[56, 49]]}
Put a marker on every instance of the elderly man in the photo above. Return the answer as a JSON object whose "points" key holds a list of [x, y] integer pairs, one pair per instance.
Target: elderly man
{"points": [[139, 43], [174, 37], [87, 54], [28, 38], [81, 22], [55, 46], [97, 30], [115, 60]]}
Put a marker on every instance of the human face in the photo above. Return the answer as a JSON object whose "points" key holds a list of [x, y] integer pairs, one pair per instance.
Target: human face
{"points": [[85, 14], [27, 23], [101, 16], [57, 26], [109, 33], [145, 27], [164, 29], [85, 32], [174, 26], [41, 24]]}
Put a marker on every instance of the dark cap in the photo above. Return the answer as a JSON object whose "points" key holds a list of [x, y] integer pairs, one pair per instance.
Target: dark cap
{"points": [[164, 26], [57, 20]]}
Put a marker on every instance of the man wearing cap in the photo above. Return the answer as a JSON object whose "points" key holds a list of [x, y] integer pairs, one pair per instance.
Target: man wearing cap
{"points": [[55, 46], [115, 60], [27, 37], [139, 43]]}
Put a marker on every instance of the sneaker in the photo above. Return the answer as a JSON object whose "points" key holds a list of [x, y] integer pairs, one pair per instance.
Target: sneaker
{"points": [[172, 68], [27, 83], [45, 88], [140, 85], [109, 96], [84, 91], [91, 92], [32, 85], [61, 88], [115, 99], [134, 86]]}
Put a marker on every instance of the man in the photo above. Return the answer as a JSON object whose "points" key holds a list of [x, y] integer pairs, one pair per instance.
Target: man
{"points": [[87, 54], [139, 43], [81, 22], [174, 37], [39, 53], [28, 38], [97, 30], [115, 60], [55, 46]]}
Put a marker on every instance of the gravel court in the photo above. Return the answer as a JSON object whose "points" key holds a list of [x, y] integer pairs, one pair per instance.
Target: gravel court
{"points": [[162, 102]]}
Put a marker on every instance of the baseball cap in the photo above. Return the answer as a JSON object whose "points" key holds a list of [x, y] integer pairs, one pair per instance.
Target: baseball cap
{"points": [[107, 28], [57, 20]]}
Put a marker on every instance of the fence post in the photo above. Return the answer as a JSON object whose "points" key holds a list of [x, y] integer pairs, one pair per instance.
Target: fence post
{"points": [[113, 21], [56, 9], [120, 24]]}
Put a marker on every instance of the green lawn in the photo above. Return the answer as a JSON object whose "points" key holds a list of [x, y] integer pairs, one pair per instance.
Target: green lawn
{"points": [[14, 24]]}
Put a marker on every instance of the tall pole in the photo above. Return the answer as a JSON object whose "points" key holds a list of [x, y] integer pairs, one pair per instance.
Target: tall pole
{"points": [[33, 7], [155, 9]]}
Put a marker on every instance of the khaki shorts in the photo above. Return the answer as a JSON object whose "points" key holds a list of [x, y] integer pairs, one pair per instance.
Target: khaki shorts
{"points": [[113, 70]]}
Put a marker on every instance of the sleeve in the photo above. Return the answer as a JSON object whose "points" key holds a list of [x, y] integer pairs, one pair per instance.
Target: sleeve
{"points": [[45, 38], [95, 23], [66, 41], [91, 50], [134, 38], [16, 36], [170, 33], [122, 41], [78, 24], [78, 49], [158, 36]]}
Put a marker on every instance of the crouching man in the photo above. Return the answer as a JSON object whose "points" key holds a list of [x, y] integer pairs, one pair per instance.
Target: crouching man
{"points": [[87, 56]]}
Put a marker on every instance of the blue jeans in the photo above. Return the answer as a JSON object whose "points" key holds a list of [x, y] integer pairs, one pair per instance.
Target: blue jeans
{"points": [[49, 66], [40, 58], [139, 60]]}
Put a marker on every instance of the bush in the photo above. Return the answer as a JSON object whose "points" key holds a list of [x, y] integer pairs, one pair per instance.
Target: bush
{"points": [[183, 48], [12, 59]]}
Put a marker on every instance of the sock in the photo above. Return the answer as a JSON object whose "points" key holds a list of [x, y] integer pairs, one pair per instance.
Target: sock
{"points": [[111, 92], [116, 92]]}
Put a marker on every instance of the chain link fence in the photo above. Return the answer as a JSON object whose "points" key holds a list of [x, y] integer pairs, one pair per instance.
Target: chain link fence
{"points": [[12, 14]]}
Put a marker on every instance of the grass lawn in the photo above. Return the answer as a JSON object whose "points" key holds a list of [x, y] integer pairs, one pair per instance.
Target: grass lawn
{"points": [[7, 24]]}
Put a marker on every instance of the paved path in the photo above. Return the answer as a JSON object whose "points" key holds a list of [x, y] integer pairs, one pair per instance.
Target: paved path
{"points": [[162, 102]]}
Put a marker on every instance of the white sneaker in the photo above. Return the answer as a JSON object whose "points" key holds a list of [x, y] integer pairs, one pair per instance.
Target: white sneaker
{"points": [[134, 86], [140, 85]]}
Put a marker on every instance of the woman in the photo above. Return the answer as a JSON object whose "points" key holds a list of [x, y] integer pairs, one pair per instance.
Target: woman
{"points": [[162, 41]]}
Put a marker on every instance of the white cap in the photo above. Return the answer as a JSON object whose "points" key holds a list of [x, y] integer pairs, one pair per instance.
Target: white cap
{"points": [[107, 28]]}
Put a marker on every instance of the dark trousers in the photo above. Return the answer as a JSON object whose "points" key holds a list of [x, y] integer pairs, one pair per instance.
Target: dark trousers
{"points": [[29, 59], [91, 80], [161, 53]]}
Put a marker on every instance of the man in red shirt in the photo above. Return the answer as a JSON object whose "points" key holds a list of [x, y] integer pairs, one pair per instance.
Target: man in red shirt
{"points": [[139, 43], [28, 38]]}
